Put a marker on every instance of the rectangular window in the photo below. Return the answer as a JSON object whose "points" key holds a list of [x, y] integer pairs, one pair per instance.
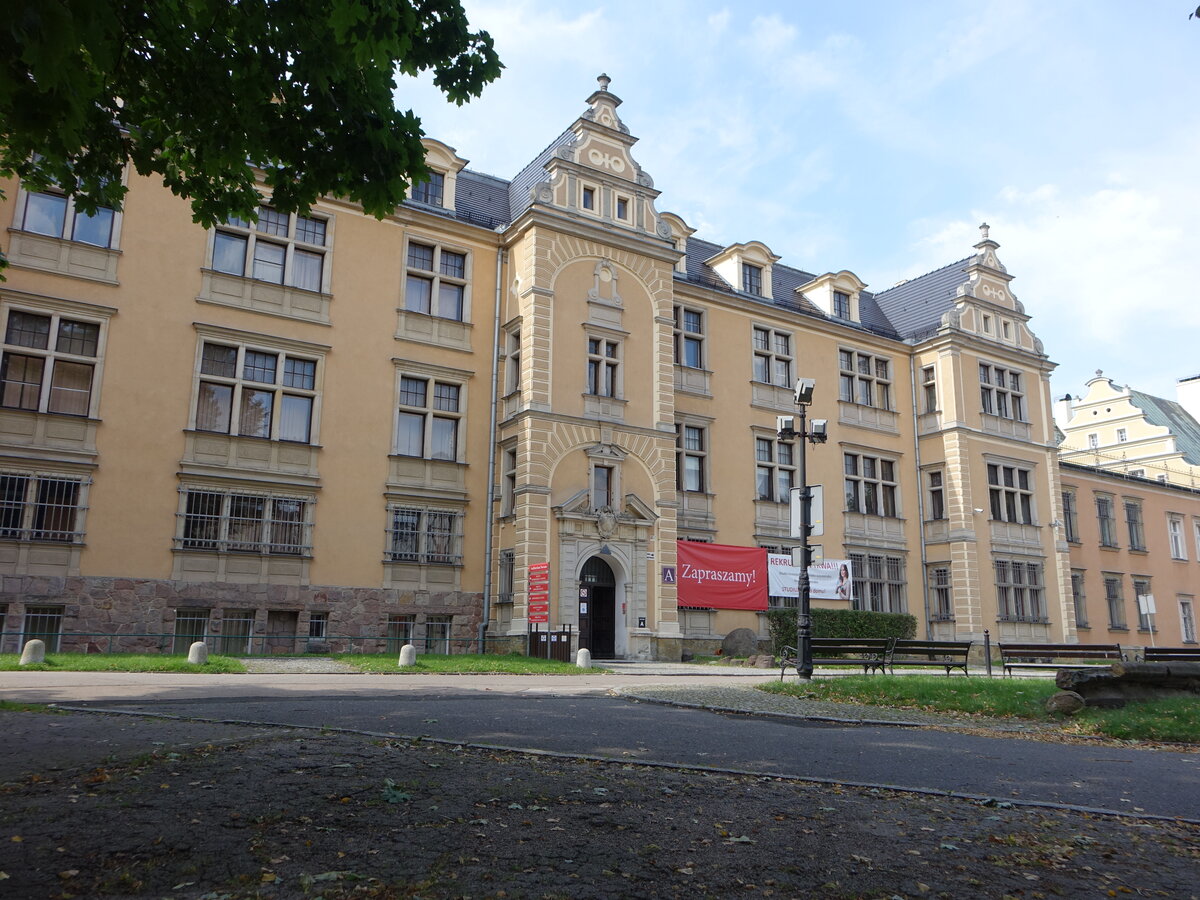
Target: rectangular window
{"points": [[1115, 602], [237, 631], [690, 457], [752, 279], [841, 304], [1133, 522], [603, 367], [399, 632], [602, 486], [1070, 517], [1093, 441], [43, 623], [1019, 591], [55, 215], [436, 281], [513, 364], [1010, 491], [318, 626], [280, 248], [1187, 620], [255, 393], [1001, 392], [775, 473], [1141, 589], [1106, 517], [1175, 535], [425, 536], [865, 379], [1079, 599], [49, 362], [937, 495], [508, 489], [506, 582], [235, 522], [772, 357], [689, 337], [623, 208], [41, 507], [431, 191], [939, 583], [929, 389], [191, 625], [589, 198], [428, 420], [437, 634], [870, 485], [878, 584], [1122, 435]]}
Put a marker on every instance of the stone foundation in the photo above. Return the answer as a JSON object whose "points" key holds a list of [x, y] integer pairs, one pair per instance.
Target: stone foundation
{"points": [[139, 615]]}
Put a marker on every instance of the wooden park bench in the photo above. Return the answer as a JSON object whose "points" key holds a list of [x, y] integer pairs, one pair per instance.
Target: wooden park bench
{"points": [[1171, 654], [1046, 656], [870, 653], [943, 654]]}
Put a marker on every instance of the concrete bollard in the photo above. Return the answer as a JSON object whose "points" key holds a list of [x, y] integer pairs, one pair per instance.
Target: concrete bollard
{"points": [[198, 654], [33, 652], [408, 656], [583, 659]]}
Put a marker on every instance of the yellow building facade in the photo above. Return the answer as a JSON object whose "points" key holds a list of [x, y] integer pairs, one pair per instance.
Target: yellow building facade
{"points": [[368, 432]]}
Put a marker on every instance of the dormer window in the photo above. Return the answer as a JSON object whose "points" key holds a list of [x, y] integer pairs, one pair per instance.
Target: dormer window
{"points": [[432, 191], [841, 304], [752, 279], [589, 198]]}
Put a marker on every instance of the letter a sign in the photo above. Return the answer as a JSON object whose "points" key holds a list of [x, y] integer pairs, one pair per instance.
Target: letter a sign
{"points": [[668, 575]]}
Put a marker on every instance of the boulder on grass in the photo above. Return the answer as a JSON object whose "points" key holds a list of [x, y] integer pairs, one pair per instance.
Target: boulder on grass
{"points": [[1065, 702], [740, 642]]}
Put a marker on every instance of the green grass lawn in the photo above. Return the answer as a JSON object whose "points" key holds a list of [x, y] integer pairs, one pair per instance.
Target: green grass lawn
{"points": [[463, 663], [1172, 719], [121, 662]]}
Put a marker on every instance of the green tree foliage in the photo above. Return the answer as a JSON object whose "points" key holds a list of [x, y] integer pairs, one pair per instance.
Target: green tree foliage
{"points": [[195, 90]]}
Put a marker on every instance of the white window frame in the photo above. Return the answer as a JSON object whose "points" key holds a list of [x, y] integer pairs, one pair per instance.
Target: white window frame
{"points": [[775, 469], [935, 491], [872, 486], [1002, 392], [432, 191], [512, 365], [1187, 618], [929, 388], [1142, 588], [752, 279], [1011, 493], [51, 355], [1175, 536], [773, 356], [289, 382], [689, 333], [604, 375], [691, 448], [291, 242], [70, 218], [441, 273], [865, 379], [1020, 591], [430, 413]]}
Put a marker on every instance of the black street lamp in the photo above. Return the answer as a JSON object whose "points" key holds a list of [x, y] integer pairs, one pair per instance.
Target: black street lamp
{"points": [[817, 435]]}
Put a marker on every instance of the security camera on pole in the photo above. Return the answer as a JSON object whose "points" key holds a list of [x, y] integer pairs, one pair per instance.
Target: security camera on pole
{"points": [[802, 496]]}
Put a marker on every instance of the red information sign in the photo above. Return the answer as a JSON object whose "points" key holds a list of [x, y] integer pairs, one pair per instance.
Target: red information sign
{"points": [[539, 617], [539, 607]]}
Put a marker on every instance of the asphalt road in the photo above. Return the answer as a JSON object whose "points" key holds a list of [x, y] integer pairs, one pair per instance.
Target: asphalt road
{"points": [[568, 716]]}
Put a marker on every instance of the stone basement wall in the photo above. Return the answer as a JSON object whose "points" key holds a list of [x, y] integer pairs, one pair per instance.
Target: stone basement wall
{"points": [[141, 612]]}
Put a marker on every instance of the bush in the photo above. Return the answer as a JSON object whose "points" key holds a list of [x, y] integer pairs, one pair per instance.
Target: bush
{"points": [[840, 623]]}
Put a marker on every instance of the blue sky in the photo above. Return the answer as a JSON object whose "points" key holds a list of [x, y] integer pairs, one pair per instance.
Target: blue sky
{"points": [[876, 137]]}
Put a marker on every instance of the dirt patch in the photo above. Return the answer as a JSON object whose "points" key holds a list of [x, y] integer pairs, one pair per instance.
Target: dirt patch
{"points": [[293, 814]]}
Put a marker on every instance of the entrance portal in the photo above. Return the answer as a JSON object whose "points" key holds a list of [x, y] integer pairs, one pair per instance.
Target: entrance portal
{"points": [[598, 609]]}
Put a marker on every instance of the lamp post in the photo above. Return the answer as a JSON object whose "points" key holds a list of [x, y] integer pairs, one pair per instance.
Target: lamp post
{"points": [[817, 435]]}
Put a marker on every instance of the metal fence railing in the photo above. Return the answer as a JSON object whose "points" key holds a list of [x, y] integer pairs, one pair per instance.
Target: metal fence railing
{"points": [[243, 643]]}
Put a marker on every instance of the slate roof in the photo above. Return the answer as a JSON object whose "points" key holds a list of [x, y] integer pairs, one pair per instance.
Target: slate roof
{"points": [[481, 199], [918, 304], [1170, 415], [518, 189]]}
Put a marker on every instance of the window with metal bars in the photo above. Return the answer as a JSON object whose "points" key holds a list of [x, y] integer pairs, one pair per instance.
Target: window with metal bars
{"points": [[399, 631], [237, 631], [235, 522], [1079, 599], [437, 634], [39, 507], [49, 362], [1106, 517], [939, 586], [506, 583], [191, 625], [1115, 600], [279, 248], [1134, 525], [424, 536], [1070, 517], [43, 623], [880, 586], [1019, 591]]}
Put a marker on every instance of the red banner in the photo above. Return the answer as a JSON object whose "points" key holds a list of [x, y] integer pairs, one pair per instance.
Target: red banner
{"points": [[718, 576]]}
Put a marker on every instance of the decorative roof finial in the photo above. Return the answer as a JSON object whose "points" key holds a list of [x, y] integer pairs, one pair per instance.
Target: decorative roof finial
{"points": [[605, 81], [1099, 373], [983, 231]]}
